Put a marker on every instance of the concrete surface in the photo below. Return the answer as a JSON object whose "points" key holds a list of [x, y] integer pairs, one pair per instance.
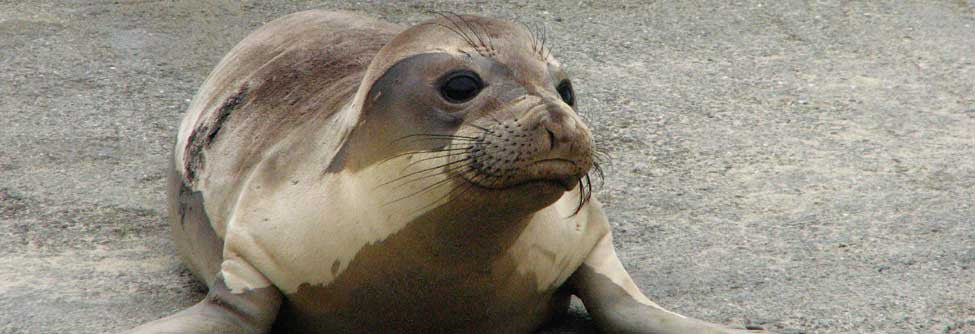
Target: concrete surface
{"points": [[804, 165]]}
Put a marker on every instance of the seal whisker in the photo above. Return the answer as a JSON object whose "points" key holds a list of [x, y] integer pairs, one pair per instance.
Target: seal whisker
{"points": [[461, 34], [457, 29], [411, 164], [417, 179], [598, 169], [490, 40], [456, 140], [485, 128], [445, 149], [421, 138], [443, 136], [543, 36], [450, 194], [446, 179], [481, 128], [473, 31], [582, 198], [588, 194], [438, 183], [599, 158], [510, 113], [539, 41], [547, 52], [422, 171], [531, 35], [540, 104], [433, 135], [494, 117], [447, 170]]}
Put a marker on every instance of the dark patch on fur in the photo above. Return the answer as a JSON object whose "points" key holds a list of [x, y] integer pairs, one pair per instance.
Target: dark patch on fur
{"points": [[190, 202], [206, 132], [429, 278], [338, 162], [193, 157], [225, 110], [335, 267], [193, 232]]}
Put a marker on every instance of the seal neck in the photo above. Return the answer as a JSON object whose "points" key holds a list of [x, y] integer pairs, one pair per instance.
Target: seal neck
{"points": [[467, 236]]}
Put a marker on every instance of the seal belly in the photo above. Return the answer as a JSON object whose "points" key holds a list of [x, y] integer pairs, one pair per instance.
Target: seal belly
{"points": [[404, 301]]}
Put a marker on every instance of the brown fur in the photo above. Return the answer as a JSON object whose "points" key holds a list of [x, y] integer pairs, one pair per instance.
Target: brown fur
{"points": [[300, 69]]}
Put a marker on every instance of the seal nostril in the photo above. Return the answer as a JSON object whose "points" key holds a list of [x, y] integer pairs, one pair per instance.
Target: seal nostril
{"points": [[551, 139]]}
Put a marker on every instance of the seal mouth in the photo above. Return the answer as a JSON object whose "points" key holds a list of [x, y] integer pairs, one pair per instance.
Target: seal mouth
{"points": [[566, 180], [563, 184], [556, 173]]}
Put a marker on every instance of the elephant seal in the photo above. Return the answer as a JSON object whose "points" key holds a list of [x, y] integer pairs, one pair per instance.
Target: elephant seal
{"points": [[337, 173]]}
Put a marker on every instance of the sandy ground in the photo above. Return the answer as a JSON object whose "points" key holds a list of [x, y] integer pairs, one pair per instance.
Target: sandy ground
{"points": [[808, 166]]}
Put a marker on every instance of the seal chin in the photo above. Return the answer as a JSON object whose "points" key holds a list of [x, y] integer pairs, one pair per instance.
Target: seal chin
{"points": [[552, 185], [533, 190], [567, 183], [559, 184], [525, 195]]}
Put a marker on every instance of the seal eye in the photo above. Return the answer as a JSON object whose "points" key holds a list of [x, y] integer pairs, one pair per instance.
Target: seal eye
{"points": [[565, 91], [461, 87]]}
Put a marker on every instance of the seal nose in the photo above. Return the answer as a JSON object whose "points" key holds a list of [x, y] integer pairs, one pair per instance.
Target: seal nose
{"points": [[562, 128]]}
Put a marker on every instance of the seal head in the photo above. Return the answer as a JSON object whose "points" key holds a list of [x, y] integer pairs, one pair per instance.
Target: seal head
{"points": [[487, 117]]}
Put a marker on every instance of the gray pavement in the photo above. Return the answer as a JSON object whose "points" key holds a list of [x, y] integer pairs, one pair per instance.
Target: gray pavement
{"points": [[808, 166]]}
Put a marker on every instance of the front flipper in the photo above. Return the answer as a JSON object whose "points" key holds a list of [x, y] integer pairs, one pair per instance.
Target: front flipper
{"points": [[617, 305], [222, 312]]}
